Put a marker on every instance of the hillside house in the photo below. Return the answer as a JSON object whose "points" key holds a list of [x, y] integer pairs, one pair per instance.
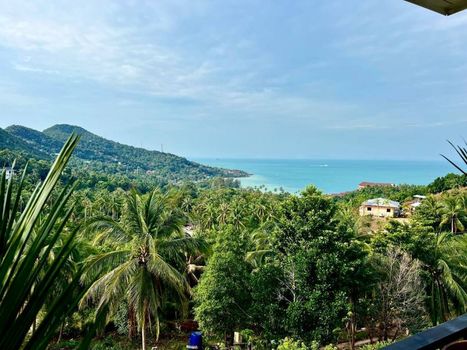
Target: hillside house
{"points": [[380, 207], [415, 202], [9, 172]]}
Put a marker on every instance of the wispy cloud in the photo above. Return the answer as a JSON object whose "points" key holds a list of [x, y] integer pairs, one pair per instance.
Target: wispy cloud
{"points": [[11, 95], [381, 124], [127, 56]]}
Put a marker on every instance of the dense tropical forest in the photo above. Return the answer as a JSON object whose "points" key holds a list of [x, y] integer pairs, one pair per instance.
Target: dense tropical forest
{"points": [[131, 265]]}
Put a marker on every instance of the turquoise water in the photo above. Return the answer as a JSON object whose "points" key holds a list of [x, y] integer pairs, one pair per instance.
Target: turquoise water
{"points": [[331, 176]]}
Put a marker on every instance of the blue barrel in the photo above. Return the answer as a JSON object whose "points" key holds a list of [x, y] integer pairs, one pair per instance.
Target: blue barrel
{"points": [[195, 341]]}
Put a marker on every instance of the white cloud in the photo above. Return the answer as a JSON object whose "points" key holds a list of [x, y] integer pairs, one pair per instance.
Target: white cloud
{"points": [[28, 68], [142, 48], [97, 50]]}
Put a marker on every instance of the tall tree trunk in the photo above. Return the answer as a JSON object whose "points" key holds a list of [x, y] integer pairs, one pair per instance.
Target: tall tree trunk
{"points": [[61, 332], [132, 330], [353, 329], [143, 329], [371, 329], [351, 326], [228, 338], [396, 333]]}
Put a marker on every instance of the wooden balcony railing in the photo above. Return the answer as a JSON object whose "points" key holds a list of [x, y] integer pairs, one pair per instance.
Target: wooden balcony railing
{"points": [[434, 338]]}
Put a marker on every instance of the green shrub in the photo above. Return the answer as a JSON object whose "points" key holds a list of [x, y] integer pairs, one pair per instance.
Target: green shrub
{"points": [[291, 344], [375, 346], [65, 345], [109, 343]]}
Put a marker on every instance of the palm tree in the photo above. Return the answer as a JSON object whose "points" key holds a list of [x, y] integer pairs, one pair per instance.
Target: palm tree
{"points": [[88, 206], [237, 215], [452, 214], [145, 268], [463, 201], [429, 213], [224, 212], [447, 277], [205, 215], [116, 203], [360, 225], [261, 244]]}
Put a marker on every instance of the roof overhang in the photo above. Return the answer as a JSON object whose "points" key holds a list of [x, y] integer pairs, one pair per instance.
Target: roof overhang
{"points": [[445, 7]]}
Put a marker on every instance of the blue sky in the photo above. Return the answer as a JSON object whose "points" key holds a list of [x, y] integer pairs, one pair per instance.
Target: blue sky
{"points": [[254, 78]]}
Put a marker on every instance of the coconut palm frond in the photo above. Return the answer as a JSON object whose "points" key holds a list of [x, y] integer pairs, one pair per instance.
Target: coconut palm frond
{"points": [[452, 285], [462, 152], [104, 228], [167, 274], [255, 258], [111, 287], [98, 264], [448, 282], [261, 241], [176, 249]]}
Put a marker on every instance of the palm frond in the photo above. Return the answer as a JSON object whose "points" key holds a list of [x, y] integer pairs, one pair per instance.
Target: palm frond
{"points": [[168, 275], [103, 228], [110, 289], [462, 152], [98, 264], [452, 285], [176, 249]]}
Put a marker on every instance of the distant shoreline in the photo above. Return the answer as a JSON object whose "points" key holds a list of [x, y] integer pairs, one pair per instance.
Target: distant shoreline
{"points": [[329, 175]]}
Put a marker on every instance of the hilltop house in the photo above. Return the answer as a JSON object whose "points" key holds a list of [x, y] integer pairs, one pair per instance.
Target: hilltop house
{"points": [[415, 203], [9, 172], [380, 207]]}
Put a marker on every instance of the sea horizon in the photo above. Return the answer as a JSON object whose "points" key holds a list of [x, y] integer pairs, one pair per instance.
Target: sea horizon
{"points": [[329, 175]]}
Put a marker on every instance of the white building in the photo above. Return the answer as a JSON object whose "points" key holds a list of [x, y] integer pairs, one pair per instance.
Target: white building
{"points": [[8, 172], [416, 202]]}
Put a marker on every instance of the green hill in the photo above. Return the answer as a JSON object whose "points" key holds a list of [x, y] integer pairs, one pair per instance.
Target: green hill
{"points": [[11, 142], [36, 140], [97, 154]]}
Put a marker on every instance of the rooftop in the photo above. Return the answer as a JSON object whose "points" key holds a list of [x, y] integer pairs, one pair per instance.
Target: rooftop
{"points": [[381, 202]]}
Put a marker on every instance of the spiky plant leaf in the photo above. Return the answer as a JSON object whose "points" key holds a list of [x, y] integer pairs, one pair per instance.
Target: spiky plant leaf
{"points": [[27, 273]]}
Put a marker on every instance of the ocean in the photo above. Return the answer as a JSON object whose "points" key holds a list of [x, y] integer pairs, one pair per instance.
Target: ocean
{"points": [[330, 176]]}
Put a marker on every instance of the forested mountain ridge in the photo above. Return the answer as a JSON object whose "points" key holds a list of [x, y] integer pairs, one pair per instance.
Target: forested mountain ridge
{"points": [[94, 147], [10, 142], [98, 154], [35, 139]]}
